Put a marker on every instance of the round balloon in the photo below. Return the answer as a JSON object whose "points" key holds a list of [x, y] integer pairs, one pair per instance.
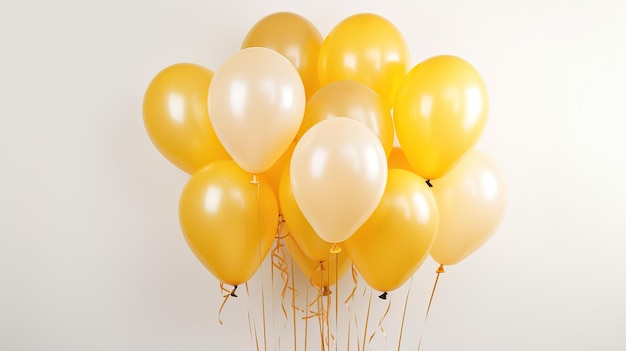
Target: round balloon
{"points": [[256, 105], [351, 99], [472, 200], [176, 117], [396, 239], [338, 176], [300, 43], [439, 113], [228, 223], [366, 48]]}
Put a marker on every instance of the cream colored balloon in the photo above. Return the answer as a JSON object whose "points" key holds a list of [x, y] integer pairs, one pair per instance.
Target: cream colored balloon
{"points": [[338, 176], [472, 200], [256, 104]]}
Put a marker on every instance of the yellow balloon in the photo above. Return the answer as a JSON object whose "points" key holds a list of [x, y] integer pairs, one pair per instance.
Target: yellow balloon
{"points": [[311, 244], [472, 200], [397, 160], [294, 37], [439, 113], [321, 274], [176, 117], [274, 174], [228, 223], [366, 48], [354, 100], [396, 239]]}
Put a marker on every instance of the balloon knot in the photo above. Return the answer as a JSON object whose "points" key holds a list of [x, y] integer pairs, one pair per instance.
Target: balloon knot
{"points": [[335, 249], [428, 183], [383, 296], [326, 291], [440, 269], [232, 292], [254, 180]]}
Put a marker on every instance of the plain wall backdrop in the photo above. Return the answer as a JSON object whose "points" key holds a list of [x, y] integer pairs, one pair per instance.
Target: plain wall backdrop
{"points": [[91, 254]]}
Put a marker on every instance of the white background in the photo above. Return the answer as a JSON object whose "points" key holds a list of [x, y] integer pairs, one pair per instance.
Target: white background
{"points": [[91, 255]]}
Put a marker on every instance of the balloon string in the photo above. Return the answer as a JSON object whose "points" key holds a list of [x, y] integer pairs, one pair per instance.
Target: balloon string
{"points": [[432, 294], [306, 318], [227, 294], [279, 262], [255, 181], [380, 326], [367, 319], [293, 305], [406, 302], [337, 300], [251, 323], [355, 280]]}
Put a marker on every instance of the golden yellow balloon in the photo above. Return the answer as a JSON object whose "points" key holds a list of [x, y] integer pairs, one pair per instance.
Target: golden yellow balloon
{"points": [[294, 37], [366, 48], [274, 174], [228, 223], [397, 160], [397, 238], [321, 274], [176, 117], [439, 113], [354, 100], [301, 230]]}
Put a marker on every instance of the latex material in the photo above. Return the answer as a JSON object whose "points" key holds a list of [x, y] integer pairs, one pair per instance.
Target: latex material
{"points": [[354, 100], [366, 48], [220, 221], [472, 200], [314, 247], [338, 176], [397, 160], [274, 173], [396, 239], [176, 118], [321, 274], [294, 37], [256, 105], [439, 113]]}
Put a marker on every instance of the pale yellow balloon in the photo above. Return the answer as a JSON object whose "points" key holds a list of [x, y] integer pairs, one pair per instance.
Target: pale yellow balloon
{"points": [[228, 223], [338, 176], [256, 105], [366, 48], [472, 200], [351, 99], [176, 117], [321, 274], [397, 237], [439, 113], [294, 37]]}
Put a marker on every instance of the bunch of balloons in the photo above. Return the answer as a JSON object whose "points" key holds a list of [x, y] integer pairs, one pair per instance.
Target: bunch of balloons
{"points": [[300, 128]]}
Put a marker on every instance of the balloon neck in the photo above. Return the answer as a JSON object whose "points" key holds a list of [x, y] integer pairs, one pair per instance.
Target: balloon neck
{"points": [[232, 292], [335, 249], [254, 180], [440, 269], [383, 296], [326, 291], [320, 267], [428, 183]]}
